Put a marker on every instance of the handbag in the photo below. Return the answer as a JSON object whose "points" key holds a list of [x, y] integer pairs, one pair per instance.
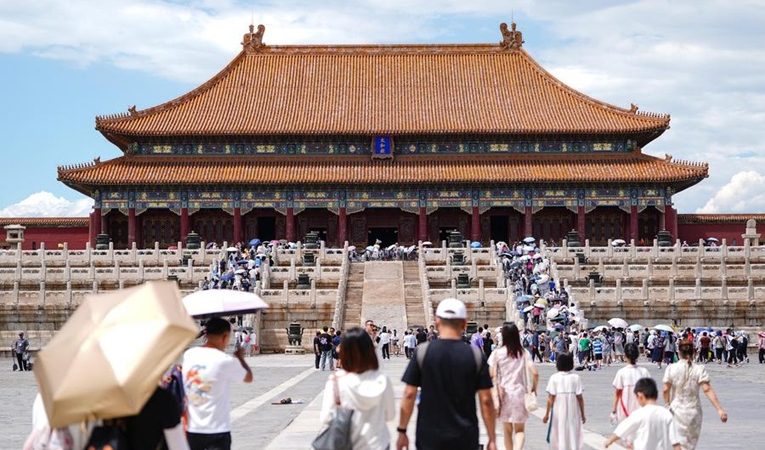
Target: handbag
{"points": [[337, 435], [529, 398]]}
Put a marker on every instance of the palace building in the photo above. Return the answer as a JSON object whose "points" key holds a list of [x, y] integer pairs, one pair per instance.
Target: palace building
{"points": [[393, 142]]}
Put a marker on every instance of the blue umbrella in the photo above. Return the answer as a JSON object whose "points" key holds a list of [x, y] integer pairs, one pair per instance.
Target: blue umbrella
{"points": [[254, 242], [475, 244], [227, 276]]}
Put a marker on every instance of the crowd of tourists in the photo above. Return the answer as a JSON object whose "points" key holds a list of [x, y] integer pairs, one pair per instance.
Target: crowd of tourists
{"points": [[447, 369], [239, 267], [377, 252]]}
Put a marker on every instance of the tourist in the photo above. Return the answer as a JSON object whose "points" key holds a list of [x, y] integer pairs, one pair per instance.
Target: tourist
{"points": [[361, 386], [385, 342], [20, 350], [394, 341], [449, 374], [585, 347], [325, 347], [682, 381], [317, 349], [731, 346], [743, 343], [650, 427], [476, 340], [422, 336], [597, 350], [670, 344], [509, 365], [704, 343], [534, 347], [565, 406], [761, 346], [543, 346], [207, 376], [719, 345], [246, 343], [608, 346], [488, 344], [625, 400], [336, 339], [409, 343], [432, 333], [618, 337]]}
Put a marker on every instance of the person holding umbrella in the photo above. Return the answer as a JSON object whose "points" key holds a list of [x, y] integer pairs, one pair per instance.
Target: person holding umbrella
{"points": [[207, 376]]}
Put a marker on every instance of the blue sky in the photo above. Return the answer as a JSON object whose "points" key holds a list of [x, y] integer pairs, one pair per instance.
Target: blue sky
{"points": [[62, 63]]}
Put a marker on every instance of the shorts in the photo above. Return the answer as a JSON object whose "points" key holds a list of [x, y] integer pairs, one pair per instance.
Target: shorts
{"points": [[598, 356]]}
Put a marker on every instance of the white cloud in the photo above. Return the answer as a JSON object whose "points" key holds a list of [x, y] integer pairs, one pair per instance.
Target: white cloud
{"points": [[45, 204], [702, 62], [745, 192]]}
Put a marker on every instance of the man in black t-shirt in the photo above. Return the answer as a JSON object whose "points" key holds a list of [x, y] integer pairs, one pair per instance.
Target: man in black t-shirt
{"points": [[422, 336], [325, 345], [447, 372], [316, 349]]}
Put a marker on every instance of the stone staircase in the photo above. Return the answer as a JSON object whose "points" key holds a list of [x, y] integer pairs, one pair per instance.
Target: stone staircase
{"points": [[354, 293], [415, 311], [383, 299]]}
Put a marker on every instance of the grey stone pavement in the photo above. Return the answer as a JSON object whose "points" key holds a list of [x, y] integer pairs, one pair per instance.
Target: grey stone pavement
{"points": [[259, 425]]}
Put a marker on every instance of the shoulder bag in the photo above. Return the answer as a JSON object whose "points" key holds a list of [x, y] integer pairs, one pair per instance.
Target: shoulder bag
{"points": [[337, 435]]}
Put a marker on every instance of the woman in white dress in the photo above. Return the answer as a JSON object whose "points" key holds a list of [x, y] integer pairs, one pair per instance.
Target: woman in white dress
{"points": [[565, 406], [625, 400], [508, 365], [682, 381]]}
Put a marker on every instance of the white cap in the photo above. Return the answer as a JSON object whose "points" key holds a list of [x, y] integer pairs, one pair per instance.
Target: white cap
{"points": [[451, 308]]}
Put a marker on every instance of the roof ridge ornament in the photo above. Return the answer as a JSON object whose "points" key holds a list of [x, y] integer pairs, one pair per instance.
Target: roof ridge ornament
{"points": [[253, 41], [633, 108], [511, 39]]}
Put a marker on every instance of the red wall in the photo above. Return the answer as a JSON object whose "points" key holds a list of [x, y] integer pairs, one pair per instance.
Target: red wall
{"points": [[76, 237], [692, 232]]}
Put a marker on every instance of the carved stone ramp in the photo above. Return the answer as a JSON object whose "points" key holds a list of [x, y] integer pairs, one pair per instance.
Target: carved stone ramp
{"points": [[383, 298]]}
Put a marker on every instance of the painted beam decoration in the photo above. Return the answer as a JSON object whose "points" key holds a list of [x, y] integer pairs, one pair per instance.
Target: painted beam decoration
{"points": [[383, 147], [402, 197]]}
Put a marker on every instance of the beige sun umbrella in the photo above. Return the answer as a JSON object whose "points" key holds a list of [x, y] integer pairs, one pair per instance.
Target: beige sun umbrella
{"points": [[107, 359]]}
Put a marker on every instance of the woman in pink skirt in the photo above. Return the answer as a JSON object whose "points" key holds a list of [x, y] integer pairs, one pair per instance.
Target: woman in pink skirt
{"points": [[509, 365]]}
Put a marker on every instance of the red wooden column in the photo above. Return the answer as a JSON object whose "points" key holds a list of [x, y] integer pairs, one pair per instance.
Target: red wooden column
{"points": [[475, 225], [634, 223], [581, 224], [662, 221], [342, 226], [95, 225], [528, 217], [237, 225], [290, 225], [422, 231], [184, 224], [131, 227], [671, 219]]}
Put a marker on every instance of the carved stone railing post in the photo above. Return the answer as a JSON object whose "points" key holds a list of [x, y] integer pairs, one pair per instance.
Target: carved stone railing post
{"points": [[577, 269], [453, 288], [619, 293]]}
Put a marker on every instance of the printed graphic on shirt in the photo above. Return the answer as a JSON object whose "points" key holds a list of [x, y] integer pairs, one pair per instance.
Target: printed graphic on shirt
{"points": [[197, 387]]}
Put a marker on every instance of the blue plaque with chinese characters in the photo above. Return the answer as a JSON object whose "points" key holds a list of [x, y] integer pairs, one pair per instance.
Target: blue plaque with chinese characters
{"points": [[382, 147]]}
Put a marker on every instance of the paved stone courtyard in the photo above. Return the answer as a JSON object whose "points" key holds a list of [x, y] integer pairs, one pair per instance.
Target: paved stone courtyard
{"points": [[257, 424]]}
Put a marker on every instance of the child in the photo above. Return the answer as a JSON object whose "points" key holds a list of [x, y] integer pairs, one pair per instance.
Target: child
{"points": [[566, 404], [651, 427], [597, 350]]}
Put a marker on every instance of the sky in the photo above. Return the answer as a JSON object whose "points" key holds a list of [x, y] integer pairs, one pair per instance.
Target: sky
{"points": [[64, 62]]}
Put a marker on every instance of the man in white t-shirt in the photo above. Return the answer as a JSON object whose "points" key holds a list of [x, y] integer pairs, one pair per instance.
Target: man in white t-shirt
{"points": [[207, 375], [650, 427]]}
